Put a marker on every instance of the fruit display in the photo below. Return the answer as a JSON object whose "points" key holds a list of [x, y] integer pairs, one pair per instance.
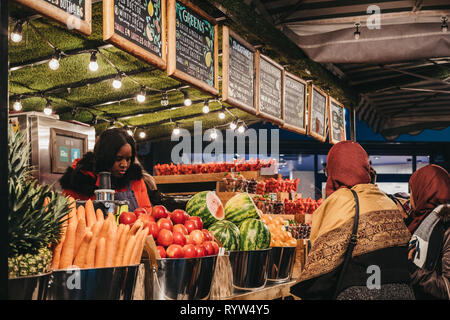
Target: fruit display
{"points": [[281, 185], [178, 234], [239, 208], [207, 206], [214, 167], [299, 230], [301, 206], [89, 240], [280, 236], [227, 233], [268, 206], [255, 235], [36, 213]]}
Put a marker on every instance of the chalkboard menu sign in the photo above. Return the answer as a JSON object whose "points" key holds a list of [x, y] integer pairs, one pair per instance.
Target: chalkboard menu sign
{"points": [[269, 77], [238, 71], [137, 27], [74, 14], [336, 121], [192, 46], [317, 113], [294, 103]]}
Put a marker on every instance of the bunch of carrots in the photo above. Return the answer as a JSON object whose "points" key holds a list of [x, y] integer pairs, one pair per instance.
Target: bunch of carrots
{"points": [[89, 240]]}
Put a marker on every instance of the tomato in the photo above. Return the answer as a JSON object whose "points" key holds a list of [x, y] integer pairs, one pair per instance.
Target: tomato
{"points": [[198, 221], [175, 251], [190, 251], [216, 247], [159, 212], [189, 239], [201, 251], [162, 251], [209, 248], [190, 225], [207, 235], [178, 216], [197, 236], [153, 229], [139, 211], [165, 238], [179, 238], [146, 219], [165, 223], [127, 218], [180, 228]]}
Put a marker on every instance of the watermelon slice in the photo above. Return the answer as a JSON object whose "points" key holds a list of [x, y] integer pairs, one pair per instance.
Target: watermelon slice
{"points": [[207, 206]]}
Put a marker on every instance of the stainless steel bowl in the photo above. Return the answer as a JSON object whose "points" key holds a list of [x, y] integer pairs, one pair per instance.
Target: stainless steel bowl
{"points": [[28, 288], [281, 262], [93, 284], [249, 268], [179, 279]]}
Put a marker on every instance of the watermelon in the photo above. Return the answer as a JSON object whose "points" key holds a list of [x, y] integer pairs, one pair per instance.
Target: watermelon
{"points": [[207, 206], [227, 233], [255, 235], [239, 208]]}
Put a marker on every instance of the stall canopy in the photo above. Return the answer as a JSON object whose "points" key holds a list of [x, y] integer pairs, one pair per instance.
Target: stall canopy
{"points": [[399, 64]]}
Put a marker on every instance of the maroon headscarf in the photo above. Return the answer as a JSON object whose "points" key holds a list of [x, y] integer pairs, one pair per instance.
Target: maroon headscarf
{"points": [[430, 187], [347, 165]]}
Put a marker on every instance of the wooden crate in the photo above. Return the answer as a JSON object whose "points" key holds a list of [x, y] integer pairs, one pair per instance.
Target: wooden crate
{"points": [[300, 258]]}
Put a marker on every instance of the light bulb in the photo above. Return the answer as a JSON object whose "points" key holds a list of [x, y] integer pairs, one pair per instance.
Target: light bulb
{"points": [[176, 131], [48, 109], [357, 34], [187, 100], [221, 115], [117, 82], [93, 65], [142, 135], [16, 35], [54, 63], [17, 105], [141, 96], [164, 99], [444, 26], [241, 129], [130, 132], [205, 109], [213, 134], [233, 126]]}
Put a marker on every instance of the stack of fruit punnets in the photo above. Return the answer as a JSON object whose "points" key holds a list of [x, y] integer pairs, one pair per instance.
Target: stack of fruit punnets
{"points": [[176, 233], [280, 237], [301, 206], [90, 241]]}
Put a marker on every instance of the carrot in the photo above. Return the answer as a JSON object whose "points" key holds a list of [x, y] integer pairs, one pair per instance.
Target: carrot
{"points": [[120, 232], [111, 246], [122, 244], [80, 258], [68, 249], [100, 253], [90, 256], [90, 213], [81, 231], [99, 214], [46, 202], [105, 228], [129, 250], [136, 254], [136, 226], [81, 213], [57, 253]]}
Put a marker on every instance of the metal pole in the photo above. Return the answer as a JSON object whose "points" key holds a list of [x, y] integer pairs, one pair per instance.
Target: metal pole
{"points": [[353, 123], [4, 209]]}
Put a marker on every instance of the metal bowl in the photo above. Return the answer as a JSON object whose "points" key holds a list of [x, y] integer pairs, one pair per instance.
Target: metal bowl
{"points": [[249, 268], [281, 262], [28, 288], [93, 284], [179, 279]]}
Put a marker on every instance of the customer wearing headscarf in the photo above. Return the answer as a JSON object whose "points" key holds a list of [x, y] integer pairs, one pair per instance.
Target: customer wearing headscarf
{"points": [[382, 236], [429, 223]]}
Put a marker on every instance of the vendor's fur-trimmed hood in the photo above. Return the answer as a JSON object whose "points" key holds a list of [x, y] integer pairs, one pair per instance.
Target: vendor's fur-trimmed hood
{"points": [[443, 212]]}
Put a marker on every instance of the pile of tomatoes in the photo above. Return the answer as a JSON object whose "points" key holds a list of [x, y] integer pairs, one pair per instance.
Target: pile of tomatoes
{"points": [[176, 233]]}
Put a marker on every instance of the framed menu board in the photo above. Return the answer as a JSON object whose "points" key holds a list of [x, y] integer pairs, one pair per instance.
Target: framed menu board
{"points": [[336, 121], [192, 46], [137, 27], [317, 113], [269, 83], [238, 71], [294, 103], [75, 14]]}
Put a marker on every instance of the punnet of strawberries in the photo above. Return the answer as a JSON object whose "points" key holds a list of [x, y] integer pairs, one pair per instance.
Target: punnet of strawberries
{"points": [[301, 206]]}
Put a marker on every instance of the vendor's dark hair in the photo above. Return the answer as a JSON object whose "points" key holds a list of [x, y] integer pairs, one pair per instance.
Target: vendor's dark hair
{"points": [[108, 145]]}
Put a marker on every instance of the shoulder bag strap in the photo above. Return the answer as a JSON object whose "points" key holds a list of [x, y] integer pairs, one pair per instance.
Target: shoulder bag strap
{"points": [[351, 245]]}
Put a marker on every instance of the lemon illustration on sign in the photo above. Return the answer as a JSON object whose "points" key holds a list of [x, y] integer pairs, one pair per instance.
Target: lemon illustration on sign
{"points": [[150, 9], [208, 58]]}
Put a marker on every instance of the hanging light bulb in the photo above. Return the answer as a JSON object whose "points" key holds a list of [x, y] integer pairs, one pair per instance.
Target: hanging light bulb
{"points": [[206, 107], [17, 105], [16, 35], [176, 131], [54, 62], [48, 108], [187, 99], [241, 128], [444, 26], [93, 65], [141, 95], [117, 82], [213, 134], [357, 34], [142, 134], [221, 115], [233, 125], [94, 119], [164, 99], [129, 131]]}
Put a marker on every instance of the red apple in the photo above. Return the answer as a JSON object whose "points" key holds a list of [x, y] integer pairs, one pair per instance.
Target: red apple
{"points": [[153, 229], [175, 251], [207, 235], [139, 211], [179, 238], [190, 225], [178, 216], [165, 238], [209, 247], [201, 251], [189, 239], [216, 247], [162, 251], [127, 218], [180, 228], [199, 222], [190, 251], [159, 212], [197, 236], [165, 223]]}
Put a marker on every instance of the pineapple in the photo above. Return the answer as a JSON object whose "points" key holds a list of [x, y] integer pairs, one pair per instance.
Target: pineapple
{"points": [[36, 213]]}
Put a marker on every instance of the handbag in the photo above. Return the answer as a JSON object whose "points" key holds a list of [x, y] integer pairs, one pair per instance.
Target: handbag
{"points": [[351, 246]]}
